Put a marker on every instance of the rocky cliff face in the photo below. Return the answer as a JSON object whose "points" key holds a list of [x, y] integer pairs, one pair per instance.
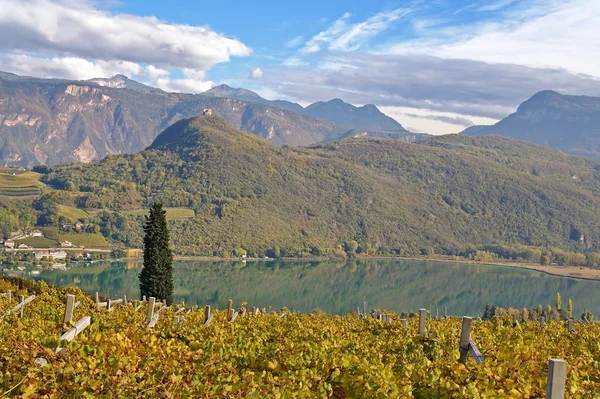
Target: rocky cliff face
{"points": [[566, 123], [48, 121]]}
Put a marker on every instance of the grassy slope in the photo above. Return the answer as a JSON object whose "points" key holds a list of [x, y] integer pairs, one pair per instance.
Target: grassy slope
{"points": [[86, 240], [38, 242], [451, 191], [71, 213]]}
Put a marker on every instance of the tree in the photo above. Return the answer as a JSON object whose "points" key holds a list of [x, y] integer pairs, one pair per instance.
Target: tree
{"points": [[156, 278], [570, 309], [558, 301]]}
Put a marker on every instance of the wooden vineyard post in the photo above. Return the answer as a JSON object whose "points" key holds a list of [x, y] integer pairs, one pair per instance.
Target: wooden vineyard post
{"points": [[74, 331], [97, 298], [207, 315], [465, 337], [69, 309], [150, 313], [445, 312], [542, 322], [557, 377], [570, 325], [9, 296], [404, 322], [20, 306], [229, 310], [467, 345], [422, 321], [365, 309], [125, 300], [21, 300]]}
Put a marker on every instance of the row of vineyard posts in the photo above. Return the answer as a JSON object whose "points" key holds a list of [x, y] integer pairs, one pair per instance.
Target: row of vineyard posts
{"points": [[557, 368]]}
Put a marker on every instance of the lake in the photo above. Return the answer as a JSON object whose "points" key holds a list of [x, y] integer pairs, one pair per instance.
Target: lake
{"points": [[339, 287]]}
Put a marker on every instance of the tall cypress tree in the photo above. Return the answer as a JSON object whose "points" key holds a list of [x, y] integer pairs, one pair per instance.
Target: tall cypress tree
{"points": [[156, 278]]}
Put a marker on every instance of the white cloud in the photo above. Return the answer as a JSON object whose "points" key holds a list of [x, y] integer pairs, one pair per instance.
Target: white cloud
{"points": [[360, 33], [193, 81], [434, 122], [327, 36], [256, 74], [346, 37], [294, 42], [154, 73], [432, 94], [185, 85], [76, 28], [75, 39], [294, 61], [69, 67], [487, 6], [541, 34]]}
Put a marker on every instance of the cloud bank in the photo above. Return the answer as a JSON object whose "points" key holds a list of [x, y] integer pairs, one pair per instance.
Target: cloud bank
{"points": [[73, 39]]}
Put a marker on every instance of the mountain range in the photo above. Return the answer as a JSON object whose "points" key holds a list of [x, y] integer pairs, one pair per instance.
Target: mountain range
{"points": [[564, 122], [52, 121], [443, 193]]}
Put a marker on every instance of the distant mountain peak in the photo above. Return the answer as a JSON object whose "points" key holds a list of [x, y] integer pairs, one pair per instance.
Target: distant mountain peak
{"points": [[367, 117], [224, 90], [565, 122]]}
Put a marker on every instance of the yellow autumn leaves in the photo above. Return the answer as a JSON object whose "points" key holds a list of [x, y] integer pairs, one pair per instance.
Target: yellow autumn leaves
{"points": [[266, 356]]}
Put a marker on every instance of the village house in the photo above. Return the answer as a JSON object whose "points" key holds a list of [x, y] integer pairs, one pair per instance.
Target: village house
{"points": [[35, 233], [24, 246], [51, 254], [66, 244], [9, 244]]}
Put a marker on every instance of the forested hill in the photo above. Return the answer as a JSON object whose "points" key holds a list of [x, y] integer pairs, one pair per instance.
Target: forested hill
{"points": [[386, 195]]}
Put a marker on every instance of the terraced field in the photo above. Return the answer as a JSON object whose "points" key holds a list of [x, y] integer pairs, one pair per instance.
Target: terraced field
{"points": [[20, 185]]}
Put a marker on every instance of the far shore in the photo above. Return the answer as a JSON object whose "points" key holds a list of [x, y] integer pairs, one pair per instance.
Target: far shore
{"points": [[577, 272]]}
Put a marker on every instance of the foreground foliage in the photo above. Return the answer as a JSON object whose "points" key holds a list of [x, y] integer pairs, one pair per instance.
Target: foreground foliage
{"points": [[297, 355]]}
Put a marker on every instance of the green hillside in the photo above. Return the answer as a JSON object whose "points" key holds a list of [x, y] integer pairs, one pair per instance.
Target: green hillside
{"points": [[374, 196]]}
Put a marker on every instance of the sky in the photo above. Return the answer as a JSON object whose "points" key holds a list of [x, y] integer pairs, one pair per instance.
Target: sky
{"points": [[436, 66]]}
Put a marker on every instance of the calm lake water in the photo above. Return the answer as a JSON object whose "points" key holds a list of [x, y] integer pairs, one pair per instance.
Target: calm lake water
{"points": [[340, 286]]}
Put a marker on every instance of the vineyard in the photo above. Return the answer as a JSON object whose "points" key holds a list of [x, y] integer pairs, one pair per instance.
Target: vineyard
{"points": [[272, 354]]}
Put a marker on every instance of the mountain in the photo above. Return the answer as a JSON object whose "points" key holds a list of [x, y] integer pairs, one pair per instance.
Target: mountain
{"points": [[122, 82], [342, 113], [51, 121], [247, 95], [367, 117], [564, 122], [446, 193]]}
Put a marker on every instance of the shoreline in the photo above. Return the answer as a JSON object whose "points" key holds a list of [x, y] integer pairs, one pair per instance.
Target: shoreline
{"points": [[576, 272]]}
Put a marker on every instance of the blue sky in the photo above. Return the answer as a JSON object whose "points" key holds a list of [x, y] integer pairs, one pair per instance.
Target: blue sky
{"points": [[436, 66]]}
